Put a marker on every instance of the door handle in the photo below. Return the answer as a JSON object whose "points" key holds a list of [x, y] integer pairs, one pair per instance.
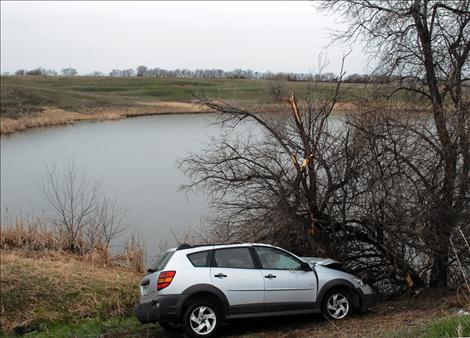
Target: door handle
{"points": [[270, 276], [220, 275]]}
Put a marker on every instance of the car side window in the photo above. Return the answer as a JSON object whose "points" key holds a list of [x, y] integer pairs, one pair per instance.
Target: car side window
{"points": [[238, 258], [275, 259], [199, 259]]}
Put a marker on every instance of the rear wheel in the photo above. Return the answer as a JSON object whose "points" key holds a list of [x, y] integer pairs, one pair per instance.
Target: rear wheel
{"points": [[337, 304], [201, 319]]}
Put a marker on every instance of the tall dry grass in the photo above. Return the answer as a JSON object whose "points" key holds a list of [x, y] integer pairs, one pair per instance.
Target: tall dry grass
{"points": [[36, 237], [133, 255]]}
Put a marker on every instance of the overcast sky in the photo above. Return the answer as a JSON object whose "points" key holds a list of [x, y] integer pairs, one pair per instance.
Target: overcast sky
{"points": [[274, 36]]}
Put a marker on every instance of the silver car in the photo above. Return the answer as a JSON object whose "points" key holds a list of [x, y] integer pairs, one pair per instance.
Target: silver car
{"points": [[198, 287]]}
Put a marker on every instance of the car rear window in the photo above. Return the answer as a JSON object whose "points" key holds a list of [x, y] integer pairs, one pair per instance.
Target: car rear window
{"points": [[161, 261], [199, 259]]}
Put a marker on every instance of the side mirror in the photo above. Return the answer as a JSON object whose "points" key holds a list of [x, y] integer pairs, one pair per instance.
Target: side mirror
{"points": [[304, 266]]}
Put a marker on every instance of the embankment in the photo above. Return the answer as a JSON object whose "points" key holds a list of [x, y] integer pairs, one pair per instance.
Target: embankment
{"points": [[39, 290]]}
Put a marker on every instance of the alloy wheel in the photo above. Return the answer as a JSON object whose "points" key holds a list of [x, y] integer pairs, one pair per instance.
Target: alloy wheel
{"points": [[337, 306], [202, 320]]}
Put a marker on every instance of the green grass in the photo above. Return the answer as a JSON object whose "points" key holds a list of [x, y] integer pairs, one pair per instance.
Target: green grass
{"points": [[438, 329], [93, 328], [21, 95]]}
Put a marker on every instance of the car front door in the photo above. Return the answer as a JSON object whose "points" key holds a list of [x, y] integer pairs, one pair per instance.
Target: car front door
{"points": [[287, 285], [234, 272]]}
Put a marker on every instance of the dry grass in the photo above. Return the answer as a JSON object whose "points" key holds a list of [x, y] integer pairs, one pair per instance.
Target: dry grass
{"points": [[50, 116], [40, 287], [29, 236], [43, 119]]}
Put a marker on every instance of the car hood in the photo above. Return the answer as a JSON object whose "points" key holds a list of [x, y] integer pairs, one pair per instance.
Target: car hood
{"points": [[320, 261]]}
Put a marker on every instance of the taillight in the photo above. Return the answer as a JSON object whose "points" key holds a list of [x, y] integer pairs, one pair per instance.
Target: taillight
{"points": [[165, 278]]}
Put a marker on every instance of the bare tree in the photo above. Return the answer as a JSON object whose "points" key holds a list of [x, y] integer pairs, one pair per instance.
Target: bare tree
{"points": [[141, 71], [425, 43], [110, 221], [73, 197], [68, 72], [83, 218], [277, 89], [281, 183]]}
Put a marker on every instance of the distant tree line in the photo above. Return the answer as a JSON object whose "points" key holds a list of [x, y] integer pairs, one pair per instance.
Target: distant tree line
{"points": [[279, 78], [144, 71], [46, 72]]}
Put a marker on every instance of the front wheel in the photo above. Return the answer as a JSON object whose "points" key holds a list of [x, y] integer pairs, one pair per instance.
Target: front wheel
{"points": [[201, 319], [337, 304]]}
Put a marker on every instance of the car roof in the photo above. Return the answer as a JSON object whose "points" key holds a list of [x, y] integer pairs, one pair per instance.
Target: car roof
{"points": [[186, 246]]}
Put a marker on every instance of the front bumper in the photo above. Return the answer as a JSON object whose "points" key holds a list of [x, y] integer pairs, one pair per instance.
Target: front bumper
{"points": [[367, 297], [163, 307]]}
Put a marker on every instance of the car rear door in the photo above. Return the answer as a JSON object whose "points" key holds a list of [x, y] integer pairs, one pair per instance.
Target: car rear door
{"points": [[287, 286], [234, 272]]}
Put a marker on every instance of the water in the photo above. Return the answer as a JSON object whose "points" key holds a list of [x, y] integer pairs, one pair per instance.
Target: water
{"points": [[135, 158]]}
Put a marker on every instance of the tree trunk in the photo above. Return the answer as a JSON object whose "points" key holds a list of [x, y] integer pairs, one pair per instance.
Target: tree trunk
{"points": [[442, 233], [439, 268]]}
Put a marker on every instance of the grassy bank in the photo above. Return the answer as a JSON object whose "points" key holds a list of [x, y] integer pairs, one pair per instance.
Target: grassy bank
{"points": [[26, 94], [38, 101], [40, 291]]}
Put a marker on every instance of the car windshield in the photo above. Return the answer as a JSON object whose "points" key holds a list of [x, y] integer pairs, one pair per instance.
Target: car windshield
{"points": [[160, 262]]}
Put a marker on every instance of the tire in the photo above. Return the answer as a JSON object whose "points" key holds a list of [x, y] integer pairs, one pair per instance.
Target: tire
{"points": [[337, 304], [202, 318]]}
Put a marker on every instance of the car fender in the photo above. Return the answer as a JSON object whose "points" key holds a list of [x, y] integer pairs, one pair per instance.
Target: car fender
{"points": [[338, 282], [208, 288]]}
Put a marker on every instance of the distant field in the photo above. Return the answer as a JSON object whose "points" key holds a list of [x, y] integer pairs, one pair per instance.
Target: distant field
{"points": [[27, 94], [40, 101]]}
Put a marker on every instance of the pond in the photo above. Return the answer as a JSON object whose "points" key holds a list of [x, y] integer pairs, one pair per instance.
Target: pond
{"points": [[136, 159]]}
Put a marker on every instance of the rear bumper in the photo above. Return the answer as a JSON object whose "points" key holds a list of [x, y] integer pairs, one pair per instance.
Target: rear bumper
{"points": [[164, 307], [148, 312]]}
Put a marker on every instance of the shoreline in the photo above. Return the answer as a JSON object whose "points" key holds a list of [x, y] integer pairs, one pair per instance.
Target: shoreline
{"points": [[53, 117], [16, 126]]}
